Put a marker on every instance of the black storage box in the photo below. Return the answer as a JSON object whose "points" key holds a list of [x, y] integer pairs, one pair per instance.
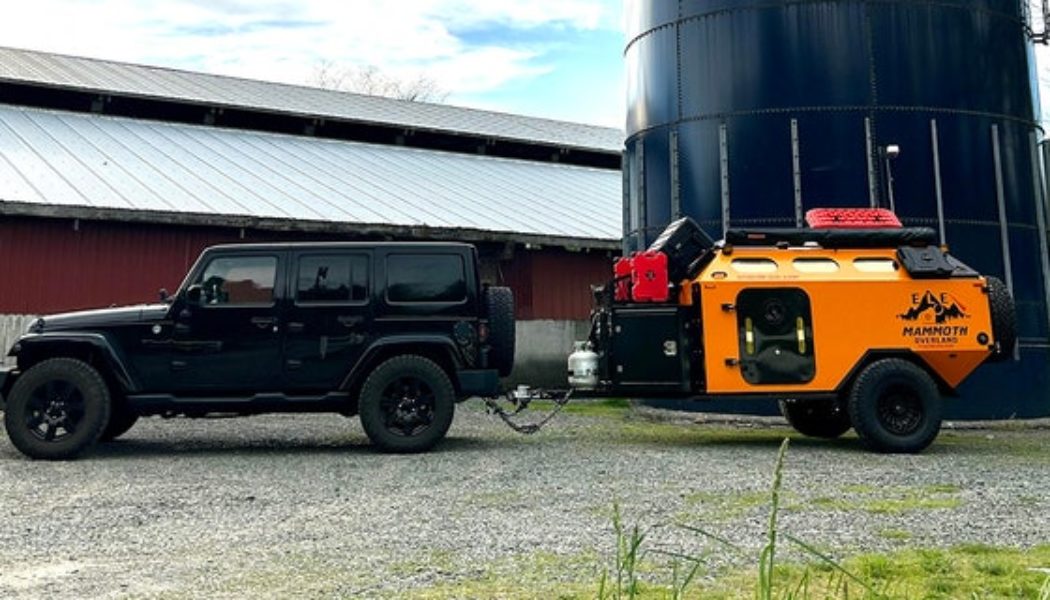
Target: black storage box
{"points": [[650, 349], [925, 263], [686, 246]]}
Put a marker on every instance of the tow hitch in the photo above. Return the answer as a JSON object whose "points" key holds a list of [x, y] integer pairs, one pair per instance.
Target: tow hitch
{"points": [[520, 398]]}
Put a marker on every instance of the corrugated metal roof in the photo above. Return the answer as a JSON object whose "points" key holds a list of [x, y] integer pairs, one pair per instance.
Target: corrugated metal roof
{"points": [[40, 68], [61, 159]]}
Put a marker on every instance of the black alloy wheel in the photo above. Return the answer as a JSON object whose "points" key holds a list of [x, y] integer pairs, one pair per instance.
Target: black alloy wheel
{"points": [[407, 404], [57, 409], [895, 406], [900, 410], [54, 411]]}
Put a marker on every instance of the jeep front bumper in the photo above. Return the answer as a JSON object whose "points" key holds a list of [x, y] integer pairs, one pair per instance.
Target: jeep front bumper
{"points": [[6, 379]]}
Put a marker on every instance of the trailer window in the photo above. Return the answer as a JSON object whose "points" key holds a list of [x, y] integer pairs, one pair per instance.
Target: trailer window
{"points": [[816, 265], [754, 266], [875, 265]]}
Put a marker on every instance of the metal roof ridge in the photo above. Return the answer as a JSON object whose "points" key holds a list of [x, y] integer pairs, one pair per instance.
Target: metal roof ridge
{"points": [[422, 232], [302, 87]]}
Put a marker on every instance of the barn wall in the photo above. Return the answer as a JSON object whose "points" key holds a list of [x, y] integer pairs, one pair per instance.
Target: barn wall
{"points": [[57, 265], [555, 284], [60, 265]]}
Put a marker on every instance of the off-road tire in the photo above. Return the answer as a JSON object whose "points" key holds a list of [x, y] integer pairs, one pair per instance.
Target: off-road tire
{"points": [[121, 420], [80, 385], [826, 419], [895, 407], [499, 306], [376, 403], [1004, 319]]}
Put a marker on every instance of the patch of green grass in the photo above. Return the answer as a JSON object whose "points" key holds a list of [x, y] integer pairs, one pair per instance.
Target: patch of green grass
{"points": [[722, 506], [942, 574], [891, 500], [536, 575], [1026, 444], [494, 499], [609, 407], [435, 561], [941, 488], [896, 535], [1029, 501], [665, 434]]}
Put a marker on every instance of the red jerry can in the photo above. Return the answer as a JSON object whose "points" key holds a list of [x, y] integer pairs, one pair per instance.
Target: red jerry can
{"points": [[649, 274], [622, 273]]}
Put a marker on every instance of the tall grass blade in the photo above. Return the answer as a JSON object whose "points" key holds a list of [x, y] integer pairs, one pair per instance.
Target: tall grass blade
{"points": [[714, 537], [767, 560], [829, 561]]}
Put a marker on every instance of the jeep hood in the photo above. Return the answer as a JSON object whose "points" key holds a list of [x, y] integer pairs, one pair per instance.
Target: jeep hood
{"points": [[88, 319]]}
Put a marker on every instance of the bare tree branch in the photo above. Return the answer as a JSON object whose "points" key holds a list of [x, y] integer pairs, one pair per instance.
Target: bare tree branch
{"points": [[370, 80]]}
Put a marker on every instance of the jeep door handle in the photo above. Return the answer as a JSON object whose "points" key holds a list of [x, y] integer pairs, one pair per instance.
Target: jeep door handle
{"points": [[296, 327], [264, 322], [349, 321]]}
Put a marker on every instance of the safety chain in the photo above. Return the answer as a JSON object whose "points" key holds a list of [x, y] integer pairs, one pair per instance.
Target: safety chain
{"points": [[526, 428]]}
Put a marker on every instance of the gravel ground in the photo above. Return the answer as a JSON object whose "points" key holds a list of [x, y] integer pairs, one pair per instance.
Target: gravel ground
{"points": [[299, 505]]}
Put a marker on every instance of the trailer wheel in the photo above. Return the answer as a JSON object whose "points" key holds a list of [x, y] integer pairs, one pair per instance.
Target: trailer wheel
{"points": [[499, 305], [826, 419], [57, 409], [1004, 319], [895, 407], [407, 404]]}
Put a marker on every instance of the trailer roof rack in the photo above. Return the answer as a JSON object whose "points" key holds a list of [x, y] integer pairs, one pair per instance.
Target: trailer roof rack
{"points": [[834, 238]]}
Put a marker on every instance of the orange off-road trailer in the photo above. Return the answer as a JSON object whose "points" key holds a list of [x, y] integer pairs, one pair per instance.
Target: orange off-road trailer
{"points": [[866, 327]]}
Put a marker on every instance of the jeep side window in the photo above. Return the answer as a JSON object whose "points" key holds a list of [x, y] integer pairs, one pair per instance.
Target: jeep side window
{"points": [[432, 278], [239, 280], [332, 278]]}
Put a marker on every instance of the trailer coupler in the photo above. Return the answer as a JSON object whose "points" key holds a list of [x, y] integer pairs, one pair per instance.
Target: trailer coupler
{"points": [[520, 398]]}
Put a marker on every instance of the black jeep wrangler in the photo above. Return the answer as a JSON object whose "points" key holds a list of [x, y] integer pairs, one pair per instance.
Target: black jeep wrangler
{"points": [[394, 332]]}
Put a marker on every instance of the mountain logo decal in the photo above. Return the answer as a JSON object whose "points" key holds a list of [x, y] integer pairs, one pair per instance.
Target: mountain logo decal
{"points": [[932, 320], [934, 308]]}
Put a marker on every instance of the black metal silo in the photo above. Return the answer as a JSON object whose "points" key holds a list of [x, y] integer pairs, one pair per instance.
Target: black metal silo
{"points": [[749, 112]]}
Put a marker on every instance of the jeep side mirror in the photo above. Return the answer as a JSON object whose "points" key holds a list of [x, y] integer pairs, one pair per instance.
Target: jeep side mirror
{"points": [[194, 293], [163, 294]]}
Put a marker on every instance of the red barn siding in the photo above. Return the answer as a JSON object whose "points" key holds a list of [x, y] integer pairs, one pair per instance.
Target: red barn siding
{"points": [[50, 266], [555, 284]]}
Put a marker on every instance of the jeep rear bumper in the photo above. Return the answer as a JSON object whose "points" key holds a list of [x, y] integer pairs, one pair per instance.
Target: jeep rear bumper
{"points": [[481, 382]]}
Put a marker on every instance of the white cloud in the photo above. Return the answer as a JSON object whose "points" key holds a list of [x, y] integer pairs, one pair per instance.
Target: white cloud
{"points": [[282, 40]]}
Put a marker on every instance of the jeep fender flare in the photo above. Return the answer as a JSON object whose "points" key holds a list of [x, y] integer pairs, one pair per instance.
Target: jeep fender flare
{"points": [[50, 345], [440, 348]]}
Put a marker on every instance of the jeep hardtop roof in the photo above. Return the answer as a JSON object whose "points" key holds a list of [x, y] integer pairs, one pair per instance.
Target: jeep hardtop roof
{"points": [[338, 245]]}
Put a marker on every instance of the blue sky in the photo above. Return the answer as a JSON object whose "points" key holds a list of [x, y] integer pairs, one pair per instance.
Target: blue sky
{"points": [[558, 59]]}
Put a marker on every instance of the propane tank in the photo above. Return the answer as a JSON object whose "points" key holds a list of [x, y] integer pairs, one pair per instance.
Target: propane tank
{"points": [[583, 367]]}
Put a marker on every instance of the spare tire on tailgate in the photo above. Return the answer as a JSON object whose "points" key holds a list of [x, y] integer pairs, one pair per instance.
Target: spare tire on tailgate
{"points": [[499, 307], [1004, 319]]}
